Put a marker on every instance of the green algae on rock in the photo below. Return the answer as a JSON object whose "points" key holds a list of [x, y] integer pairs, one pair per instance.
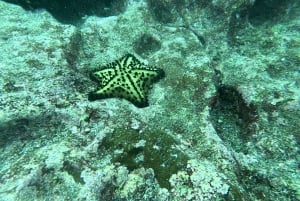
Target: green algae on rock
{"points": [[126, 78], [149, 149]]}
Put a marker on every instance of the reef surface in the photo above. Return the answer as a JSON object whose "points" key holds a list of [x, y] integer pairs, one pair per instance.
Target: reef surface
{"points": [[222, 125]]}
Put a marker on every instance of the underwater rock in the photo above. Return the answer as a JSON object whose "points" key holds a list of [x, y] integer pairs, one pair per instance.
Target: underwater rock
{"points": [[232, 117], [147, 44], [224, 126], [149, 149], [201, 181], [268, 10], [72, 11]]}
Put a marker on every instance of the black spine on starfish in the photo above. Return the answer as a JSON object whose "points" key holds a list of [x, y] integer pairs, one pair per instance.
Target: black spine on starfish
{"points": [[126, 78]]}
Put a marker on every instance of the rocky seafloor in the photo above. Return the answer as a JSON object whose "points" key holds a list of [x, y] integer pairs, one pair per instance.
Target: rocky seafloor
{"points": [[222, 125]]}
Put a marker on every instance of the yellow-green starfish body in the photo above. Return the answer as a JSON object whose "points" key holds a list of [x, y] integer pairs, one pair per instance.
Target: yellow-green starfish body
{"points": [[126, 78]]}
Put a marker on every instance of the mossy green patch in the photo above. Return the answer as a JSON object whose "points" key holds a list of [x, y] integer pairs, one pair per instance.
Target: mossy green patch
{"points": [[149, 149]]}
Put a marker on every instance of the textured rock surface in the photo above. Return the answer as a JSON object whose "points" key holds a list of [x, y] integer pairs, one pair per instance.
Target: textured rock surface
{"points": [[223, 124]]}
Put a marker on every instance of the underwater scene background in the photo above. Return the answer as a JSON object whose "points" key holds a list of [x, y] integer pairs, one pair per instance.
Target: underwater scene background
{"points": [[180, 100]]}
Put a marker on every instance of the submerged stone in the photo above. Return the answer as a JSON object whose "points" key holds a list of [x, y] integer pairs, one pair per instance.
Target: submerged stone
{"points": [[149, 149]]}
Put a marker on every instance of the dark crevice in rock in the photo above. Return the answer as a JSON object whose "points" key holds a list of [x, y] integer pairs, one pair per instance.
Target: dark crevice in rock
{"points": [[269, 10], [232, 117], [71, 51], [146, 44], [28, 128], [74, 170], [237, 24], [72, 11]]}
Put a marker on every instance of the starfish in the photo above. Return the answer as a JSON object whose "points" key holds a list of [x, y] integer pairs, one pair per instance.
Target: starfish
{"points": [[126, 78]]}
